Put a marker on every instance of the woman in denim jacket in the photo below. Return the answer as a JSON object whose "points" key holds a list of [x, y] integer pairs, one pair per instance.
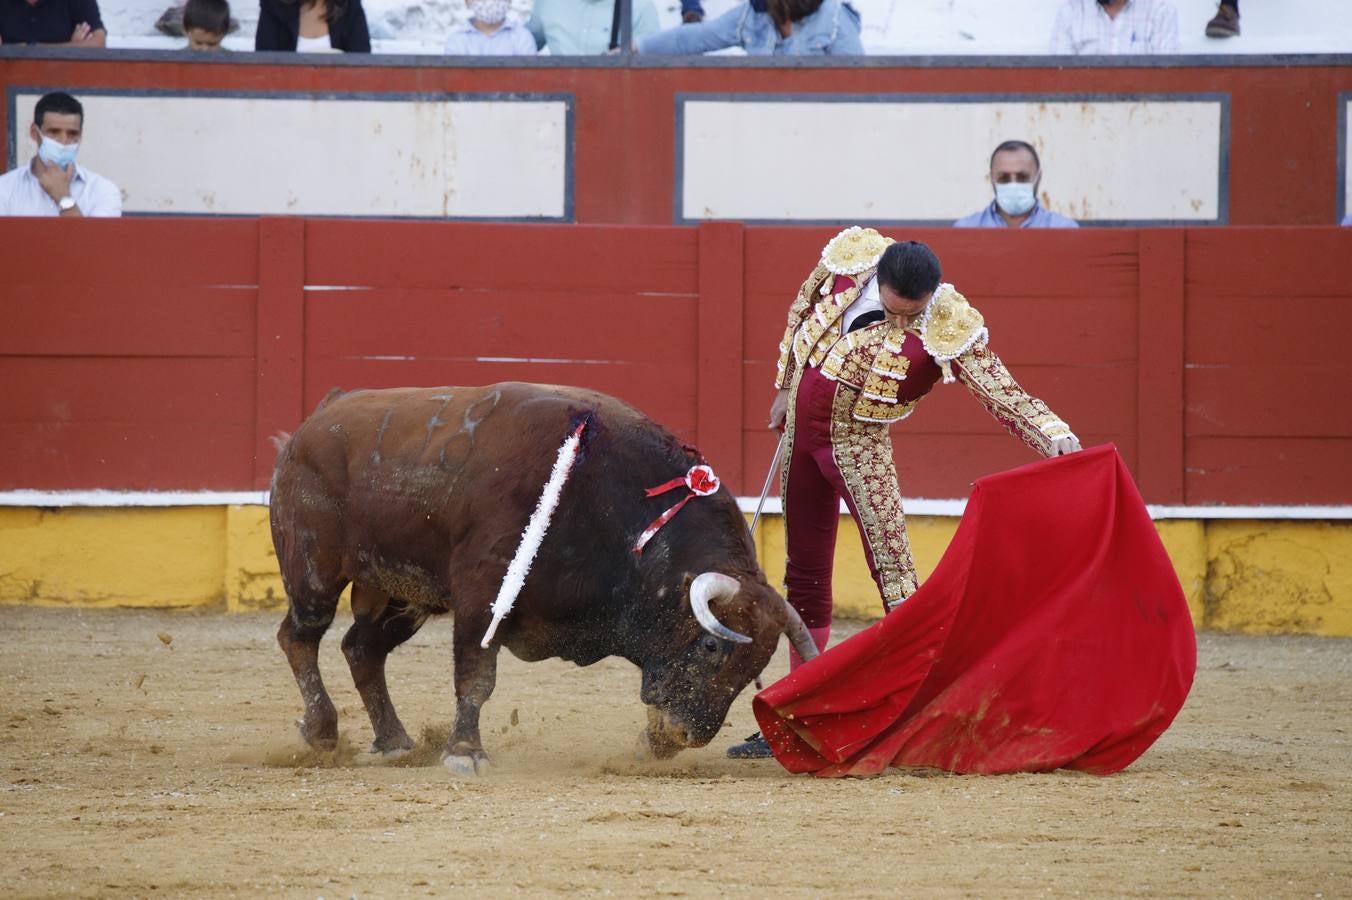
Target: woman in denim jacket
{"points": [[766, 28]]}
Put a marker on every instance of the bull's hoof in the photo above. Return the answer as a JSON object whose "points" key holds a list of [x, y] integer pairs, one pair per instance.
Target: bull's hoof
{"points": [[471, 765], [390, 754], [392, 748], [318, 738]]}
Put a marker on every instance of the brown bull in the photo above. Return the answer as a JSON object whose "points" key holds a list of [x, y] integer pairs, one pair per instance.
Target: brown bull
{"points": [[418, 498]]}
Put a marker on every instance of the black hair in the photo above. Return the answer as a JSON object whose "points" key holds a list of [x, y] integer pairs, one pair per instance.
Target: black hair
{"points": [[911, 269], [1010, 146], [211, 16], [59, 103], [784, 11]]}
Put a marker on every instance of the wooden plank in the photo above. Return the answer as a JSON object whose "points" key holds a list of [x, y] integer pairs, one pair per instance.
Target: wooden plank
{"points": [[279, 338], [138, 392], [1088, 331], [121, 455], [1048, 264], [941, 466], [1269, 263], [667, 395], [1270, 470], [1159, 396], [132, 251], [1269, 399], [520, 324], [1296, 328], [581, 258], [1100, 400], [119, 319], [718, 364]]}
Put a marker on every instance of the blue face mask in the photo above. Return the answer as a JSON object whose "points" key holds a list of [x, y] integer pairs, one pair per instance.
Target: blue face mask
{"points": [[1015, 197], [57, 153]]}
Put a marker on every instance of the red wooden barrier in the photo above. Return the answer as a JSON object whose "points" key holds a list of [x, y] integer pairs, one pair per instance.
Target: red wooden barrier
{"points": [[164, 354]]}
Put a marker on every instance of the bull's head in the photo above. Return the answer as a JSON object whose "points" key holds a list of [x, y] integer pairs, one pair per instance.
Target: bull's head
{"points": [[689, 692]]}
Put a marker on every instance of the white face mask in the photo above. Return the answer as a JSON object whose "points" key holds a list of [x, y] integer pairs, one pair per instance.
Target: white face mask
{"points": [[57, 153], [1015, 197], [489, 12]]}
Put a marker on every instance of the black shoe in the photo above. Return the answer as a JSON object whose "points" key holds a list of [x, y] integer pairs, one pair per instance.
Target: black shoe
{"points": [[754, 747], [1225, 23]]}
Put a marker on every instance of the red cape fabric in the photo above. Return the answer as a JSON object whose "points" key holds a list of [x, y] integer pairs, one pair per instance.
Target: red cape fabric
{"points": [[1054, 633]]}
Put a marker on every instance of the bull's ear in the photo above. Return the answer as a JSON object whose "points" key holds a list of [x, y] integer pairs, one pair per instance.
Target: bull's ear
{"points": [[688, 580]]}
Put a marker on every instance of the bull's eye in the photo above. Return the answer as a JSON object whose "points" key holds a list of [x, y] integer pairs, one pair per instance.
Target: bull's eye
{"points": [[710, 644]]}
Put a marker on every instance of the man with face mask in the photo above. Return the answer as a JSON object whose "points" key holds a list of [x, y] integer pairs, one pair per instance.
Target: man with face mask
{"points": [[489, 32], [1016, 174], [52, 184]]}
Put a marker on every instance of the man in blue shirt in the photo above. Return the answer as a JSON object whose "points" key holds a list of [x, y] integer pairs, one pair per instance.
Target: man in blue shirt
{"points": [[61, 23], [1016, 173]]}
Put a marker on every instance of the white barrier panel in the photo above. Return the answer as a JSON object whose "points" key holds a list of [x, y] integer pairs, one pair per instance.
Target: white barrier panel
{"points": [[461, 156], [926, 160]]}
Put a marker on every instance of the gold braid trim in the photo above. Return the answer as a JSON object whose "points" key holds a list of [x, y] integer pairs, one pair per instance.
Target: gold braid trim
{"points": [[863, 454], [1022, 415], [800, 309]]}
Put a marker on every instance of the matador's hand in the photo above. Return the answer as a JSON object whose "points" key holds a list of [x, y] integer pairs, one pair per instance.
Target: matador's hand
{"points": [[779, 409], [1064, 445]]}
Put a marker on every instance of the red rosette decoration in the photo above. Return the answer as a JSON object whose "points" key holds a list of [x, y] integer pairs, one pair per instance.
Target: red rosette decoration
{"points": [[699, 480]]}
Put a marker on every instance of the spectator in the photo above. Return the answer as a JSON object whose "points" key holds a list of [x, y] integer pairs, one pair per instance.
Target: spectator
{"points": [[691, 12], [312, 26], [1225, 23], [206, 23], [488, 33], [769, 28], [52, 184], [61, 23], [1016, 175], [582, 27], [1090, 27]]}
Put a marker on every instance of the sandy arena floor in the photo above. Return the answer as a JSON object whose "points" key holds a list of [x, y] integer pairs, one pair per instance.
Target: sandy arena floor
{"points": [[137, 767]]}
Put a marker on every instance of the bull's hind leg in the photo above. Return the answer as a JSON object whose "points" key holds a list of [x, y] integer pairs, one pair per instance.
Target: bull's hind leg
{"points": [[476, 672], [306, 621], [382, 624]]}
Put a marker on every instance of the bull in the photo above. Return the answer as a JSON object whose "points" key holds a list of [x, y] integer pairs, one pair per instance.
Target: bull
{"points": [[418, 498]]}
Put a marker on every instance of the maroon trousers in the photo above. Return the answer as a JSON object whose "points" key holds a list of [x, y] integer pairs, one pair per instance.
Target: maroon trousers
{"points": [[829, 457]]}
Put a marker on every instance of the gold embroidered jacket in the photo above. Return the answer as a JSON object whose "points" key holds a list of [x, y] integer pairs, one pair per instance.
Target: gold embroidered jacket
{"points": [[892, 368]]}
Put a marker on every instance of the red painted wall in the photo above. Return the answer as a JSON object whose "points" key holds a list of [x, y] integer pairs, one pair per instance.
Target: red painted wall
{"points": [[1283, 138], [166, 353]]}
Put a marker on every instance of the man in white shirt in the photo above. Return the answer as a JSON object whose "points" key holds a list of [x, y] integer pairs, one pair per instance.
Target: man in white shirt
{"points": [[52, 184], [1104, 27]]}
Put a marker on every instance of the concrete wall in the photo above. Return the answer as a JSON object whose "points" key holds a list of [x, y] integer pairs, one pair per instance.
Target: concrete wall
{"points": [[1265, 577]]}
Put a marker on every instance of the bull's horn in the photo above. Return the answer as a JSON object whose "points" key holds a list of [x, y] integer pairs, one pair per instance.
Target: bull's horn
{"points": [[798, 634], [705, 589]]}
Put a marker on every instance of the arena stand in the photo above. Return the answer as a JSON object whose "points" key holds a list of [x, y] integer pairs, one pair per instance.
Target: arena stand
{"points": [[156, 357]]}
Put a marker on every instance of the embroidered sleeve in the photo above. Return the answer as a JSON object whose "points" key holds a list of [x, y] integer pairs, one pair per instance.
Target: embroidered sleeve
{"points": [[798, 310], [1024, 416]]}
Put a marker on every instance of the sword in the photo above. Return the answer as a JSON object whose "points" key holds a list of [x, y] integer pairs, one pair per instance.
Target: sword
{"points": [[760, 504], [769, 476]]}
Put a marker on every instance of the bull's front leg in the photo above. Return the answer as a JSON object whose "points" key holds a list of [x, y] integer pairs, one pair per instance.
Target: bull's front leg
{"points": [[476, 672]]}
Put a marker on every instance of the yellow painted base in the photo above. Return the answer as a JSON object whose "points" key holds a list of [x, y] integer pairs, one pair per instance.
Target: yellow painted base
{"points": [[1268, 577]]}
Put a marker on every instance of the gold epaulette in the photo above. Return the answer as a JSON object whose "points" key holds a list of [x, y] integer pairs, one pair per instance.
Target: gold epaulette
{"points": [[854, 250], [950, 327]]}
